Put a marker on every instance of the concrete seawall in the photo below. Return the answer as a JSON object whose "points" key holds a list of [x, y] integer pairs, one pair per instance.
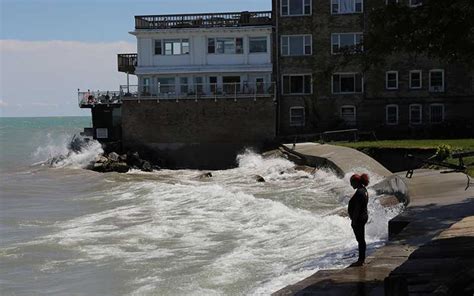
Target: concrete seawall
{"points": [[343, 160], [430, 247]]}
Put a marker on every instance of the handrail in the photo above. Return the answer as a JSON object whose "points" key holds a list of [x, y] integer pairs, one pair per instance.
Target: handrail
{"points": [[198, 91], [127, 62], [226, 19], [92, 98]]}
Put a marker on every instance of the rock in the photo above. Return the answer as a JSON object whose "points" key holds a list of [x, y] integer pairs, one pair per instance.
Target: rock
{"points": [[123, 157], [133, 159], [101, 159], [110, 166], [113, 156], [55, 160], [119, 167], [146, 166], [259, 179], [77, 143], [98, 167], [205, 176]]}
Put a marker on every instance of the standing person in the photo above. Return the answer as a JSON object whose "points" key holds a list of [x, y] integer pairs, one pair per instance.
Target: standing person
{"points": [[358, 212]]}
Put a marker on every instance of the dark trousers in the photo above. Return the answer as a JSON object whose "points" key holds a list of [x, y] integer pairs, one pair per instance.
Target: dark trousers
{"points": [[359, 231]]}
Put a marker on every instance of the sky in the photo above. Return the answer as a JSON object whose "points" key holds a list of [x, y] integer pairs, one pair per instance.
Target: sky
{"points": [[50, 48]]}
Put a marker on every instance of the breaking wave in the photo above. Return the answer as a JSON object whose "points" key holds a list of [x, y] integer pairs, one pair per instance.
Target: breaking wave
{"points": [[57, 152]]}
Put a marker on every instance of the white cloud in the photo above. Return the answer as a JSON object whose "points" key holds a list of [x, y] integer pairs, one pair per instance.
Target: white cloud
{"points": [[3, 104], [43, 76]]}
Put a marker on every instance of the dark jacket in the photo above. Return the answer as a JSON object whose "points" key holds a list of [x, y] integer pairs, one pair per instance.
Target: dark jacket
{"points": [[358, 206]]}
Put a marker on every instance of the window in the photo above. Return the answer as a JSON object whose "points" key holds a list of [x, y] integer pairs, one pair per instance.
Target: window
{"points": [[211, 45], [415, 114], [296, 45], [391, 114], [146, 85], [213, 84], [225, 45], [297, 84], [347, 83], [415, 79], [341, 42], [416, 3], [172, 47], [257, 44], [437, 80], [101, 133], [436, 113], [346, 6], [231, 84], [348, 114], [184, 87], [166, 85], [198, 85], [295, 7], [391, 80], [158, 47], [297, 117]]}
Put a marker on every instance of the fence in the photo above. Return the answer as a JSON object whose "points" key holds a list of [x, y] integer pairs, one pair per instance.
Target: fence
{"points": [[198, 91], [91, 98]]}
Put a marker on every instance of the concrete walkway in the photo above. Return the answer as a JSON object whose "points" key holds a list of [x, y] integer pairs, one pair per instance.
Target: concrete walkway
{"points": [[432, 252]]}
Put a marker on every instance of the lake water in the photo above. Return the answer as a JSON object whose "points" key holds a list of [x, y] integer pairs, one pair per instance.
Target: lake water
{"points": [[67, 230]]}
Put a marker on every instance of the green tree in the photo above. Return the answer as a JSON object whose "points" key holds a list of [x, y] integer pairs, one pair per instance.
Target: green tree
{"points": [[439, 29]]}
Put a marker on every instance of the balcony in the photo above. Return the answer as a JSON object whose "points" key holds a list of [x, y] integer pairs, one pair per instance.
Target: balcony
{"points": [[208, 20], [127, 62], [91, 99], [196, 92]]}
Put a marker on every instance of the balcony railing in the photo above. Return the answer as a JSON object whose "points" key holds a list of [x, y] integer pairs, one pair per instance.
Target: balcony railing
{"points": [[127, 62], [230, 19], [90, 99], [199, 91]]}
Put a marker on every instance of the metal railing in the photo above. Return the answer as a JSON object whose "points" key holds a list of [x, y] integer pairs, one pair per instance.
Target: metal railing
{"points": [[91, 98], [230, 19], [127, 62], [199, 91]]}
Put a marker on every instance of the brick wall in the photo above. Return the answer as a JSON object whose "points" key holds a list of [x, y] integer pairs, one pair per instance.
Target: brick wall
{"points": [[323, 109]]}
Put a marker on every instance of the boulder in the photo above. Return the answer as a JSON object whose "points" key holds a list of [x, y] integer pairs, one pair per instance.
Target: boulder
{"points": [[101, 159], [119, 167], [133, 159], [110, 166], [205, 175], [113, 156], [146, 166], [123, 158]]}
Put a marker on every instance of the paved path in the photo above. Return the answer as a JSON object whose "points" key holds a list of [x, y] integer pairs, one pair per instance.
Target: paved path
{"points": [[341, 159], [437, 232]]}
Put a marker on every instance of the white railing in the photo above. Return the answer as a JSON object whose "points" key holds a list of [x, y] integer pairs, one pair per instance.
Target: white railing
{"points": [[198, 91]]}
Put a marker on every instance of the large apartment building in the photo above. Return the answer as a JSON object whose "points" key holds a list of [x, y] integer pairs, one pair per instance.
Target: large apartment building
{"points": [[317, 91]]}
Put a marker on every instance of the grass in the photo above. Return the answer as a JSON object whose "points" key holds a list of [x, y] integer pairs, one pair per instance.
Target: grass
{"points": [[456, 145]]}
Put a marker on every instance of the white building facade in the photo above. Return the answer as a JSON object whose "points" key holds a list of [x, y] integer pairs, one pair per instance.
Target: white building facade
{"points": [[202, 56]]}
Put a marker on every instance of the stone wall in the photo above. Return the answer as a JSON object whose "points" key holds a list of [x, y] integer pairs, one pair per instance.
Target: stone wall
{"points": [[198, 134]]}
